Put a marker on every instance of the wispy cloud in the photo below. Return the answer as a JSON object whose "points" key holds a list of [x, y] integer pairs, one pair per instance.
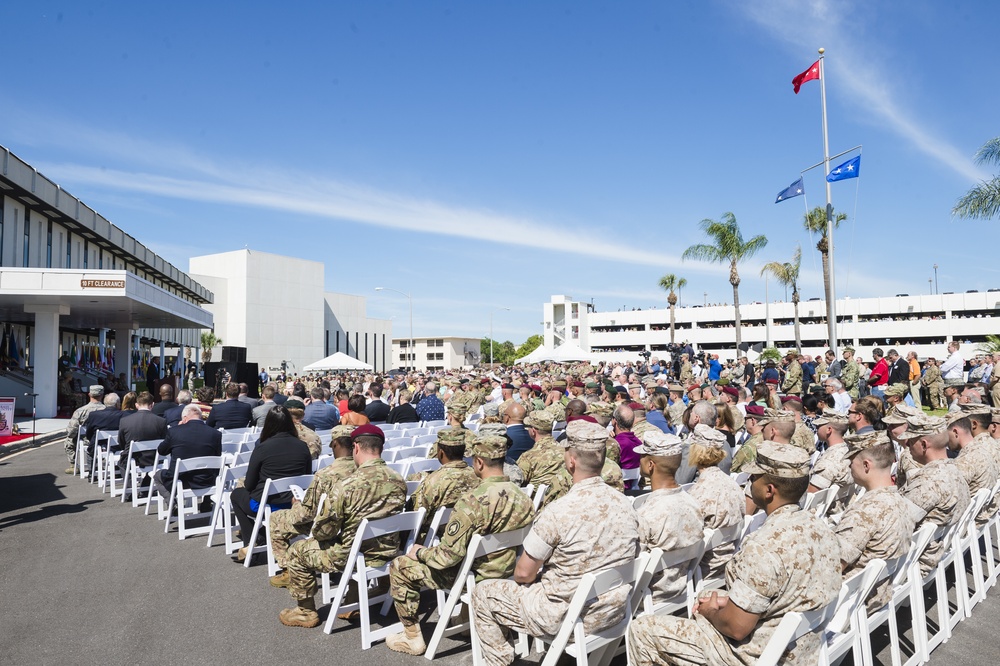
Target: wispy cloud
{"points": [[809, 24]]}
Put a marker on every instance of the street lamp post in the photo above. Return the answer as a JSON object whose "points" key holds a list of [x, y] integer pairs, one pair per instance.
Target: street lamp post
{"points": [[937, 289], [491, 332], [412, 357]]}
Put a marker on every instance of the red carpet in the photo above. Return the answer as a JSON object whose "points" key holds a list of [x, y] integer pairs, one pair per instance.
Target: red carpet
{"points": [[12, 439]]}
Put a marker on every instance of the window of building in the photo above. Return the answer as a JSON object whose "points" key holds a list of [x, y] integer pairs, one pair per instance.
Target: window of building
{"points": [[86, 254], [576, 310], [100, 258], [48, 247], [576, 332], [1, 231], [25, 256], [404, 343]]}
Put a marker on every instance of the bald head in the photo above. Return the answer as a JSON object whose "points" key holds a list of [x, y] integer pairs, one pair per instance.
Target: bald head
{"points": [[515, 413], [576, 408], [623, 417]]}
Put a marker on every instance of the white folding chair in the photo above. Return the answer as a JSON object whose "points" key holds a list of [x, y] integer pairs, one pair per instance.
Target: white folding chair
{"points": [[793, 627], [639, 500], [271, 487], [440, 519], [750, 525], [424, 465], [904, 577], [223, 510], [80, 461], [134, 473], [713, 539], [242, 458], [405, 453], [630, 474], [981, 576], [740, 478], [480, 545], [991, 540], [411, 487], [231, 449], [433, 424], [969, 543], [396, 442], [356, 570], [102, 449], [686, 559], [179, 495], [591, 586], [841, 634], [321, 462], [539, 495], [401, 468], [425, 440]]}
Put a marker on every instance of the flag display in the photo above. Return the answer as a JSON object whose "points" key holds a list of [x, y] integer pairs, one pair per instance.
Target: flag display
{"points": [[796, 189], [849, 169], [810, 74]]}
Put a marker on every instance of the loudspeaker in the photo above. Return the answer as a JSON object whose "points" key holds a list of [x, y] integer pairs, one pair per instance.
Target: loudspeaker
{"points": [[234, 354]]}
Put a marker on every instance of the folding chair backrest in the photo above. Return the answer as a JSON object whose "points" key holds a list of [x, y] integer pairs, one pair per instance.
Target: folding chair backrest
{"points": [[792, 627], [810, 501], [716, 537], [639, 500], [243, 458], [199, 463], [424, 465], [539, 495], [740, 478], [407, 521], [396, 442], [410, 452], [854, 591], [425, 439], [750, 525], [286, 484], [138, 446], [630, 474], [411, 487], [433, 424], [322, 462], [918, 544], [401, 468], [440, 519]]}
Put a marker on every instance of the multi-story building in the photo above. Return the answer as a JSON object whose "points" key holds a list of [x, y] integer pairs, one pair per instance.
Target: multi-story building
{"points": [[442, 353], [74, 286], [924, 324]]}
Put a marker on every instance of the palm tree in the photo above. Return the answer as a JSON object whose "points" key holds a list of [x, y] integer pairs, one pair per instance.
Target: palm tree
{"points": [[728, 247], [208, 343], [815, 223], [787, 274], [983, 200], [668, 283]]}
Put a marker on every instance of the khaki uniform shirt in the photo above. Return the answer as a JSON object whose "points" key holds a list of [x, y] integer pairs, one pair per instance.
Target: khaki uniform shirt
{"points": [[878, 525], [722, 504], [590, 529], [311, 439], [804, 438], [669, 519], [977, 466], [495, 505], [543, 463], [941, 493], [373, 491]]}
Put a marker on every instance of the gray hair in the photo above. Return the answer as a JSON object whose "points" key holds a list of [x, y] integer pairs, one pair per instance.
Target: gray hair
{"points": [[184, 397], [706, 412], [191, 410], [430, 388], [835, 383], [112, 400]]}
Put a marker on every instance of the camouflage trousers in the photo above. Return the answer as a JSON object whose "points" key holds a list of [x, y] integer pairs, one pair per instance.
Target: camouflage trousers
{"points": [[70, 448], [286, 525], [307, 558], [665, 639], [407, 577]]}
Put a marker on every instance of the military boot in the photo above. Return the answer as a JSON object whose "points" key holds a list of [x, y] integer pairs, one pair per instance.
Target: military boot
{"points": [[303, 615], [408, 641], [281, 580]]}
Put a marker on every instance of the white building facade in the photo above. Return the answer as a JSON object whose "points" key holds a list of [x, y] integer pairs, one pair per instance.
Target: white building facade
{"points": [[441, 353], [277, 308], [924, 324]]}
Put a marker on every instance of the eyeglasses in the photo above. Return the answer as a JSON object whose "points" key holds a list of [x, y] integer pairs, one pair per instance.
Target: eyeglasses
{"points": [[852, 412]]}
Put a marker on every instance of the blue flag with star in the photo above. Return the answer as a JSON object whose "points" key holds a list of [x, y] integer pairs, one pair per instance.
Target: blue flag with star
{"points": [[796, 189], [849, 169]]}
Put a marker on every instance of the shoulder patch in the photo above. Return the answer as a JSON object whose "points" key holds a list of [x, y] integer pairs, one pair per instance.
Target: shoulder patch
{"points": [[453, 527]]}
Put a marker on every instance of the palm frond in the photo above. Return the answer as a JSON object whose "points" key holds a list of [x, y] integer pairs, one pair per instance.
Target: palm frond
{"points": [[981, 202], [989, 153], [703, 252]]}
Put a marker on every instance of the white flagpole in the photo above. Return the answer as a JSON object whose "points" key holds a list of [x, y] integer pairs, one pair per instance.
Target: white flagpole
{"points": [[831, 296]]}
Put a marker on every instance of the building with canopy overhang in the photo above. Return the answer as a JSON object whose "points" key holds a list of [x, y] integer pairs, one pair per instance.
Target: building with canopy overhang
{"points": [[72, 284]]}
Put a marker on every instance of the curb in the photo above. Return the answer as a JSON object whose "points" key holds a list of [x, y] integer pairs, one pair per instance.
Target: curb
{"points": [[35, 442]]}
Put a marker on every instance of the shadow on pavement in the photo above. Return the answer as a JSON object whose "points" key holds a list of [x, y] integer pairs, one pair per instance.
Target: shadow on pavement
{"points": [[21, 492], [45, 512]]}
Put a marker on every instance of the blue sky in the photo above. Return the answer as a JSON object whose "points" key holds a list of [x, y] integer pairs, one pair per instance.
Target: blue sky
{"points": [[487, 155]]}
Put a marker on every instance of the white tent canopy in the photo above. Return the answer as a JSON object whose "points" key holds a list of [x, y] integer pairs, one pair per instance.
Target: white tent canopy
{"points": [[564, 353], [535, 356], [338, 361]]}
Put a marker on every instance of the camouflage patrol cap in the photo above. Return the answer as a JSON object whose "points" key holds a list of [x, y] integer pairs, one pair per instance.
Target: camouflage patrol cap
{"points": [[923, 426], [830, 416], [849, 349], [783, 460], [489, 447], [451, 436], [96, 390], [585, 436], [898, 390], [341, 431], [491, 409], [706, 435], [600, 408], [494, 429], [649, 381], [559, 384], [899, 414], [675, 387], [656, 443], [540, 419], [974, 409], [858, 443], [777, 416], [457, 408], [995, 415]]}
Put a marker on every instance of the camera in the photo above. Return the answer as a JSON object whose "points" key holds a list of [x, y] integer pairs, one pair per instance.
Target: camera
{"points": [[645, 354]]}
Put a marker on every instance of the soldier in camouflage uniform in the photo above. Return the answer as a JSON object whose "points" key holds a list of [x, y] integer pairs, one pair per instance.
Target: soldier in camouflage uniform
{"points": [[850, 374], [592, 528], [445, 485], [936, 485], [495, 505], [456, 416], [934, 384], [833, 467], [803, 437], [288, 523], [602, 412], [297, 409], [545, 461], [897, 420], [730, 395], [975, 459], [640, 425], [719, 499], [790, 564], [793, 375], [669, 518], [687, 373], [373, 491], [748, 451], [96, 404]]}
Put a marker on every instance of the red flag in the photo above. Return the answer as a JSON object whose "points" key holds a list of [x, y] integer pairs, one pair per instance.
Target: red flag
{"points": [[808, 75]]}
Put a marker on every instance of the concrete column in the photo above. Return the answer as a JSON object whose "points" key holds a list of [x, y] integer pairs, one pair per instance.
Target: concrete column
{"points": [[197, 361], [45, 355], [123, 351], [162, 356]]}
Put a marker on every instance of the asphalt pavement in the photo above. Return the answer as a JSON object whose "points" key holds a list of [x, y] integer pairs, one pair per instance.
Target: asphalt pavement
{"points": [[88, 580]]}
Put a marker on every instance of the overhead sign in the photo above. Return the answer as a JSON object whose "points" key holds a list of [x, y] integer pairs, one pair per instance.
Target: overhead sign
{"points": [[102, 284]]}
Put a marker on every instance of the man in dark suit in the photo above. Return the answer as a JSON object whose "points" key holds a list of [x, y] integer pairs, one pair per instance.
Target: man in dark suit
{"points": [[105, 419], [232, 413], [152, 373], [191, 439], [404, 412], [376, 410], [173, 415], [166, 400], [521, 439], [319, 415], [142, 426], [245, 396]]}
